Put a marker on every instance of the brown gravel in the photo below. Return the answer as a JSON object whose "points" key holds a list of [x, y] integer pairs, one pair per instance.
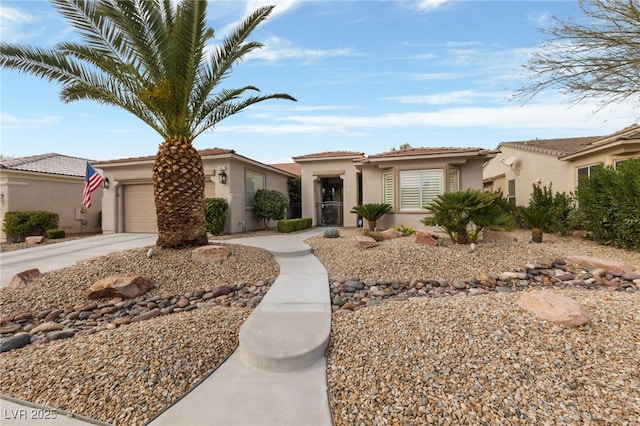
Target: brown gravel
{"points": [[451, 360]]}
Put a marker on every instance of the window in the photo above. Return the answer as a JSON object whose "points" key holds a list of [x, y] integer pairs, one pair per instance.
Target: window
{"points": [[419, 187], [585, 171], [252, 182], [511, 192], [454, 180], [387, 188]]}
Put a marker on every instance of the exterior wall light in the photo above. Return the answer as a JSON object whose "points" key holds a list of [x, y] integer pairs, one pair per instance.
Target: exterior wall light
{"points": [[222, 177], [105, 183]]}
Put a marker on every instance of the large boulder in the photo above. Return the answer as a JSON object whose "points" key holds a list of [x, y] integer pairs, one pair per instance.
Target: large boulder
{"points": [[21, 279], [128, 285], [34, 240], [389, 234], [424, 236], [210, 254], [553, 307]]}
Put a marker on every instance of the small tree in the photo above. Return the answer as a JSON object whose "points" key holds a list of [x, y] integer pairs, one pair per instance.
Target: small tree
{"points": [[269, 205], [215, 211], [372, 212]]}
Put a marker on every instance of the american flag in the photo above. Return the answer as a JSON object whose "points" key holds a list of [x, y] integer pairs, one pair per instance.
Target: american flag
{"points": [[92, 181]]}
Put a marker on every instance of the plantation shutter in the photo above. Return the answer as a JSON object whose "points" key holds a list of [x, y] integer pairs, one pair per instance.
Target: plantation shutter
{"points": [[454, 179], [387, 188], [252, 182], [431, 184], [409, 190]]}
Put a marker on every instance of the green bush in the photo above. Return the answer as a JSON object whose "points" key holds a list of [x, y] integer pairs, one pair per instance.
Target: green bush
{"points": [[406, 230], [215, 210], [54, 234], [560, 205], [270, 204], [290, 225], [464, 214], [19, 225], [331, 233], [609, 204]]}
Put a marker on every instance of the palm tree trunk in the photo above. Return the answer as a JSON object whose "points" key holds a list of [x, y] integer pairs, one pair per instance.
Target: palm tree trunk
{"points": [[178, 188]]}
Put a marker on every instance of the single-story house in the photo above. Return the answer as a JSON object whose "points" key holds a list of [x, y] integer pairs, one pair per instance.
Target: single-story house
{"points": [[128, 204], [50, 182], [556, 162], [407, 179]]}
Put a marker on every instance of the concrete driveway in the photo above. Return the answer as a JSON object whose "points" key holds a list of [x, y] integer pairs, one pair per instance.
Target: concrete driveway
{"points": [[59, 255]]}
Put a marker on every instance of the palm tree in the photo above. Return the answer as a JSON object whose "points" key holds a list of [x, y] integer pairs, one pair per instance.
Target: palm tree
{"points": [[152, 59], [372, 212], [536, 218]]}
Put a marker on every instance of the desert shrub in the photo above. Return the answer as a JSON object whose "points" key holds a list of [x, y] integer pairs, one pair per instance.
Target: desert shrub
{"points": [[291, 225], [406, 230], [270, 204], [54, 234], [19, 225], [376, 235], [609, 204], [331, 233], [215, 214], [463, 215]]}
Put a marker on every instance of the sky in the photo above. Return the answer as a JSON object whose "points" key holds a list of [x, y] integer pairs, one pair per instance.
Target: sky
{"points": [[368, 76]]}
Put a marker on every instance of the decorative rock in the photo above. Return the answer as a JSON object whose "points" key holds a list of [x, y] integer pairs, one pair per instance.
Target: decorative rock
{"points": [[390, 234], [459, 284], [497, 236], [34, 240], [613, 267], [121, 321], [127, 285], [15, 342], [53, 314], [10, 328], [147, 315], [183, 302], [61, 334], [47, 326], [631, 276], [222, 290], [424, 236], [365, 242], [21, 279], [210, 254], [549, 306]]}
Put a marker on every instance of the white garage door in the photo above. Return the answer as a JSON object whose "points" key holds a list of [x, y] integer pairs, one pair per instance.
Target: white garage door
{"points": [[139, 209]]}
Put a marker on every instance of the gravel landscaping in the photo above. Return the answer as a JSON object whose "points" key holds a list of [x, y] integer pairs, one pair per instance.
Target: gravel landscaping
{"points": [[446, 359]]}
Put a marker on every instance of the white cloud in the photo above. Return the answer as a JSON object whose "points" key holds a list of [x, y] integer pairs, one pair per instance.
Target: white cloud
{"points": [[277, 48], [455, 97], [429, 5], [17, 25], [8, 121], [281, 6]]}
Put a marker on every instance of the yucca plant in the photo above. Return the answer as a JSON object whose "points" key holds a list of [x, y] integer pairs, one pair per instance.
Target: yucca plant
{"points": [[536, 218], [372, 212]]}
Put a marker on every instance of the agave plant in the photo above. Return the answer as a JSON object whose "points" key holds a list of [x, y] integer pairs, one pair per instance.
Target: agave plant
{"points": [[372, 212], [536, 218]]}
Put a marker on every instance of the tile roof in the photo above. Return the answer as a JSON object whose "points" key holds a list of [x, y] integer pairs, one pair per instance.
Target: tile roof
{"points": [[203, 153], [329, 154], [567, 146], [293, 168], [425, 151], [52, 163]]}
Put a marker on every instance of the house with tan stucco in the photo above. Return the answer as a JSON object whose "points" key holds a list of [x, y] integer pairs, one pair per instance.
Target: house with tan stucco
{"points": [[407, 179], [558, 163], [128, 204], [50, 182]]}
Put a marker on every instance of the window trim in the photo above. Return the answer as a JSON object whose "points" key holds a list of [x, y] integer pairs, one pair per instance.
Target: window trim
{"points": [[387, 188], [588, 167], [511, 199], [457, 173]]}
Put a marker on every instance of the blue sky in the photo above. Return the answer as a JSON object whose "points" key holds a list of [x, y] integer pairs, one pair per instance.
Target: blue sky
{"points": [[368, 76]]}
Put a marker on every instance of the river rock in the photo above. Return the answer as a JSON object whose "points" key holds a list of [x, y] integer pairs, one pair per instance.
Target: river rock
{"points": [[15, 342]]}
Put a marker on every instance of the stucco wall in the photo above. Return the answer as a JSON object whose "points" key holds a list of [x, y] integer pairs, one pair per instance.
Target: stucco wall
{"points": [[22, 191]]}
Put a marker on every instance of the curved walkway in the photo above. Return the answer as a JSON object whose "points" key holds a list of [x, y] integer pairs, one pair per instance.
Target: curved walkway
{"points": [[277, 376]]}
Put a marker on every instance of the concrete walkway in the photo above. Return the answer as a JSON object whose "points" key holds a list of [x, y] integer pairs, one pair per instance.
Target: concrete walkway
{"points": [[277, 376]]}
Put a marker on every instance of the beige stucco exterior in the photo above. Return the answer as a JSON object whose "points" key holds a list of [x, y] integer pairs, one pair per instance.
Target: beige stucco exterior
{"points": [[526, 163], [362, 179], [26, 190], [138, 172]]}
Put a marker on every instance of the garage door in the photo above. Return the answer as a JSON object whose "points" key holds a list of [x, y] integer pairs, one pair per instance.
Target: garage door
{"points": [[139, 209]]}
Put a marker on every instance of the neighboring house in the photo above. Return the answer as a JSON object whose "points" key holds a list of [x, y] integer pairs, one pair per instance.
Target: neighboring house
{"points": [[556, 162], [128, 204], [408, 179], [50, 182]]}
